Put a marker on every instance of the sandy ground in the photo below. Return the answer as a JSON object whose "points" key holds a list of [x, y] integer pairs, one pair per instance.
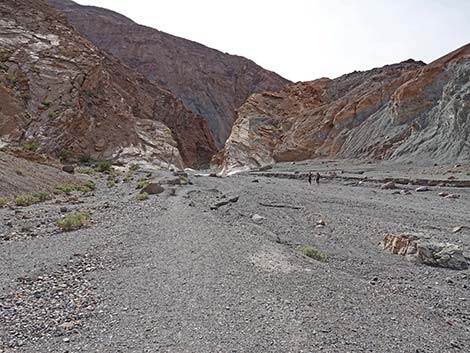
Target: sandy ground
{"points": [[171, 275]]}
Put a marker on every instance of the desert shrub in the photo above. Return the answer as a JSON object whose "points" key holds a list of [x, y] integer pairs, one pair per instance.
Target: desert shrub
{"points": [[142, 183], [84, 159], [104, 167], [42, 196], [64, 155], [3, 202], [46, 104], [134, 166], [111, 181], [87, 171], [129, 176], [66, 188], [130, 173], [26, 200], [142, 196], [69, 188], [73, 221], [32, 145], [89, 185], [313, 253]]}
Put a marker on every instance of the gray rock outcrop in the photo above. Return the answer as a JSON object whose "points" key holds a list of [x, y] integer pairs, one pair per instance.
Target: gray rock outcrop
{"points": [[425, 251]]}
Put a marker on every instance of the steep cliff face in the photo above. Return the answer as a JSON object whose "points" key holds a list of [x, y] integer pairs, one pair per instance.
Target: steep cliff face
{"points": [[60, 91], [210, 83], [408, 110]]}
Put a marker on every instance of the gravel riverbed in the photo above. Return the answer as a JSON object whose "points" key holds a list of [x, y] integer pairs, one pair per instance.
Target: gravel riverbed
{"points": [[175, 274]]}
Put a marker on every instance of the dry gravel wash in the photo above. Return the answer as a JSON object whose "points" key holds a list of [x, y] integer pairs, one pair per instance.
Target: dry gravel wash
{"points": [[170, 275]]}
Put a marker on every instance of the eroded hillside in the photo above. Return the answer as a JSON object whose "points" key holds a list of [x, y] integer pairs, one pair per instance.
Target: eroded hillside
{"points": [[210, 83], [402, 111], [60, 91]]}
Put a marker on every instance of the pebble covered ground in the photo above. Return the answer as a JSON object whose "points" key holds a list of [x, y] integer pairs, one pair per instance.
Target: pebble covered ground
{"points": [[194, 270]]}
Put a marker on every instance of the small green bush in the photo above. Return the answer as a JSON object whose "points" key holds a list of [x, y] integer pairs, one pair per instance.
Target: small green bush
{"points": [[142, 196], [32, 145], [104, 167], [313, 253], [3, 202], [112, 179], [87, 171], [128, 178], [26, 200], [69, 188], [142, 184], [73, 221], [66, 188], [133, 167], [90, 185], [43, 196], [84, 159], [46, 104], [64, 155]]}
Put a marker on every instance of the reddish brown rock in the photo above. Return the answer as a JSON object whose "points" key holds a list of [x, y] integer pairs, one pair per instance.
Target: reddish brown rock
{"points": [[210, 83], [405, 111], [401, 244], [60, 91]]}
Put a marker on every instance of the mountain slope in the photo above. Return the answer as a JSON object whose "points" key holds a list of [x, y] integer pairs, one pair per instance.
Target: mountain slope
{"points": [[210, 83], [402, 111], [70, 98]]}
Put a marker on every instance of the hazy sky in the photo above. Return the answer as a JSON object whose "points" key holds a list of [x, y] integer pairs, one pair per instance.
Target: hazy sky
{"points": [[308, 39]]}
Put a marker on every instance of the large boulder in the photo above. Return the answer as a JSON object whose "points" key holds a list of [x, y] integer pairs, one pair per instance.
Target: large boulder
{"points": [[426, 251], [69, 168], [153, 189]]}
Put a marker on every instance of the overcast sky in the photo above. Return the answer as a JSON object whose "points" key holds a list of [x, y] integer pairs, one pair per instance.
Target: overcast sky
{"points": [[307, 39]]}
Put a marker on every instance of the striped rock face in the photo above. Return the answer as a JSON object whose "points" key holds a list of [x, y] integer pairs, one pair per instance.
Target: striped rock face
{"points": [[407, 111], [210, 83], [60, 91]]}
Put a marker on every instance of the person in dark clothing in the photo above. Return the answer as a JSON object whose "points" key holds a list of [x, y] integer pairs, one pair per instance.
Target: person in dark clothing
{"points": [[310, 178], [317, 179]]}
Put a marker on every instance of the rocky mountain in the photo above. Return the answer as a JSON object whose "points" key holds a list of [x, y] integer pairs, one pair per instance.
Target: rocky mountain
{"points": [[210, 83], [62, 95], [404, 111]]}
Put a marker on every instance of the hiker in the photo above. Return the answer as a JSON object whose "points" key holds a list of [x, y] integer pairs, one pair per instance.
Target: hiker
{"points": [[317, 179], [310, 178]]}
